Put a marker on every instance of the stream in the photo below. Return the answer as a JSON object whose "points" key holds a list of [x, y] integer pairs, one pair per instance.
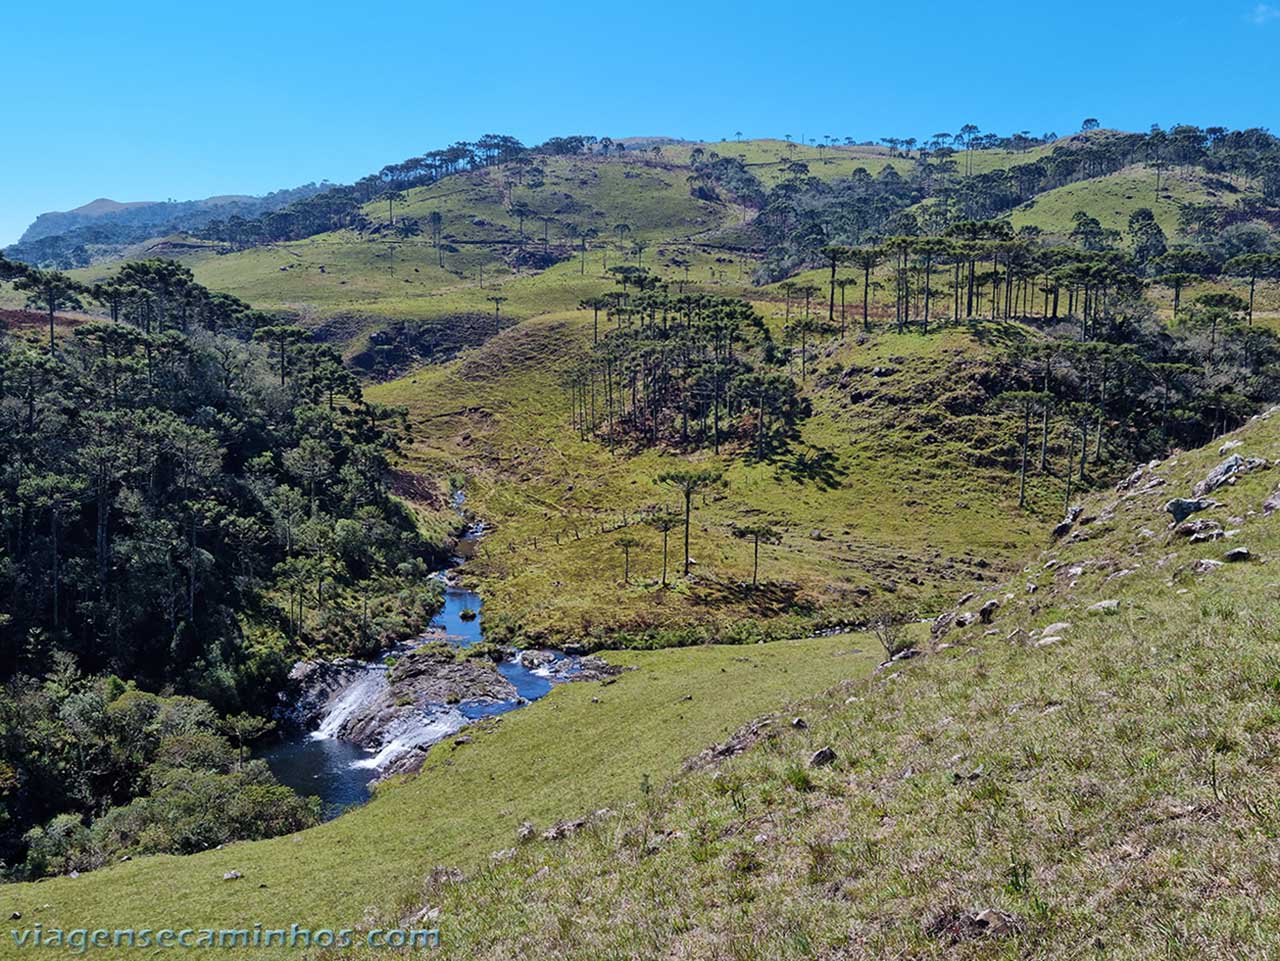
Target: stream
{"points": [[323, 759]]}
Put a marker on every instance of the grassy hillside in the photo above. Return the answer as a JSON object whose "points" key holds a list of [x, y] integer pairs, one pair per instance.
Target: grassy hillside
{"points": [[895, 490], [768, 158], [1069, 781], [1111, 199], [583, 747]]}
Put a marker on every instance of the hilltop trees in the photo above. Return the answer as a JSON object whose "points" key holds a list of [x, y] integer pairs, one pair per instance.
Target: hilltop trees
{"points": [[497, 300], [1254, 267], [1024, 402], [664, 523], [1148, 238], [866, 259], [626, 544]]}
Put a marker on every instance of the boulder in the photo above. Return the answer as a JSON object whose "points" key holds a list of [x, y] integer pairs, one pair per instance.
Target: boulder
{"points": [[1104, 607], [1236, 555], [1272, 503], [1182, 507], [1058, 627], [942, 623], [988, 611], [1205, 566]]}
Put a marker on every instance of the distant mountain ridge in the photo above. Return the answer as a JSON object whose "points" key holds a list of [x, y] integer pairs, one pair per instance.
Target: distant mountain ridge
{"points": [[74, 238]]}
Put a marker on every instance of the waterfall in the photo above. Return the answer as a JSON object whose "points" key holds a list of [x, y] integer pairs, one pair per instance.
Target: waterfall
{"points": [[369, 686], [367, 695], [418, 730]]}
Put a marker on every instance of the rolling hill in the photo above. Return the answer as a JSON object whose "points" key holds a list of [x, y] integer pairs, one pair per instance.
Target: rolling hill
{"points": [[1090, 769], [1113, 197]]}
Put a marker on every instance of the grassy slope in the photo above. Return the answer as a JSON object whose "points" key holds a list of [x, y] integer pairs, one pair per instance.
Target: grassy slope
{"points": [[872, 515], [1114, 791], [767, 158], [1114, 197], [583, 747]]}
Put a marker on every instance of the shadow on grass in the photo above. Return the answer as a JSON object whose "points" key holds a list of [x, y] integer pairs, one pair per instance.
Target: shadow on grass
{"points": [[813, 465], [766, 599]]}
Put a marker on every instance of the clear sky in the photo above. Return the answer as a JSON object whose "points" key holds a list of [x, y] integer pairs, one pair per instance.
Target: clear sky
{"points": [[148, 101]]}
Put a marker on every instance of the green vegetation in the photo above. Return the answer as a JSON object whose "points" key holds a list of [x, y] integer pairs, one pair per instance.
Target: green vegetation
{"points": [[860, 513], [1113, 198], [75, 744]]}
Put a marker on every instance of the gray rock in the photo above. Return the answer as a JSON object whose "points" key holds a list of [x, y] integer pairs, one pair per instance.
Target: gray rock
{"points": [[1228, 470], [232, 876], [1205, 566], [1181, 507], [1272, 503], [1236, 555], [822, 757], [1105, 607], [988, 611], [1205, 536], [431, 673], [1131, 481]]}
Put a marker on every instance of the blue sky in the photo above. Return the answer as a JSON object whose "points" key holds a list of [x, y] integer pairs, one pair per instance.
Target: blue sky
{"points": [[146, 100]]}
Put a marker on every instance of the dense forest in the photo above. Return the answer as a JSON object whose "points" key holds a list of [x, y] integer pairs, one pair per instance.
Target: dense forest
{"points": [[687, 371], [192, 495]]}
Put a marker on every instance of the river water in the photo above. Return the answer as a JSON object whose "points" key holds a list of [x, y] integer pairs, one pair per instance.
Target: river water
{"points": [[320, 764]]}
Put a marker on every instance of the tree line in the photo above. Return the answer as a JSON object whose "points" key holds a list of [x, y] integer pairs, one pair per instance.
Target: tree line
{"points": [[341, 207]]}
